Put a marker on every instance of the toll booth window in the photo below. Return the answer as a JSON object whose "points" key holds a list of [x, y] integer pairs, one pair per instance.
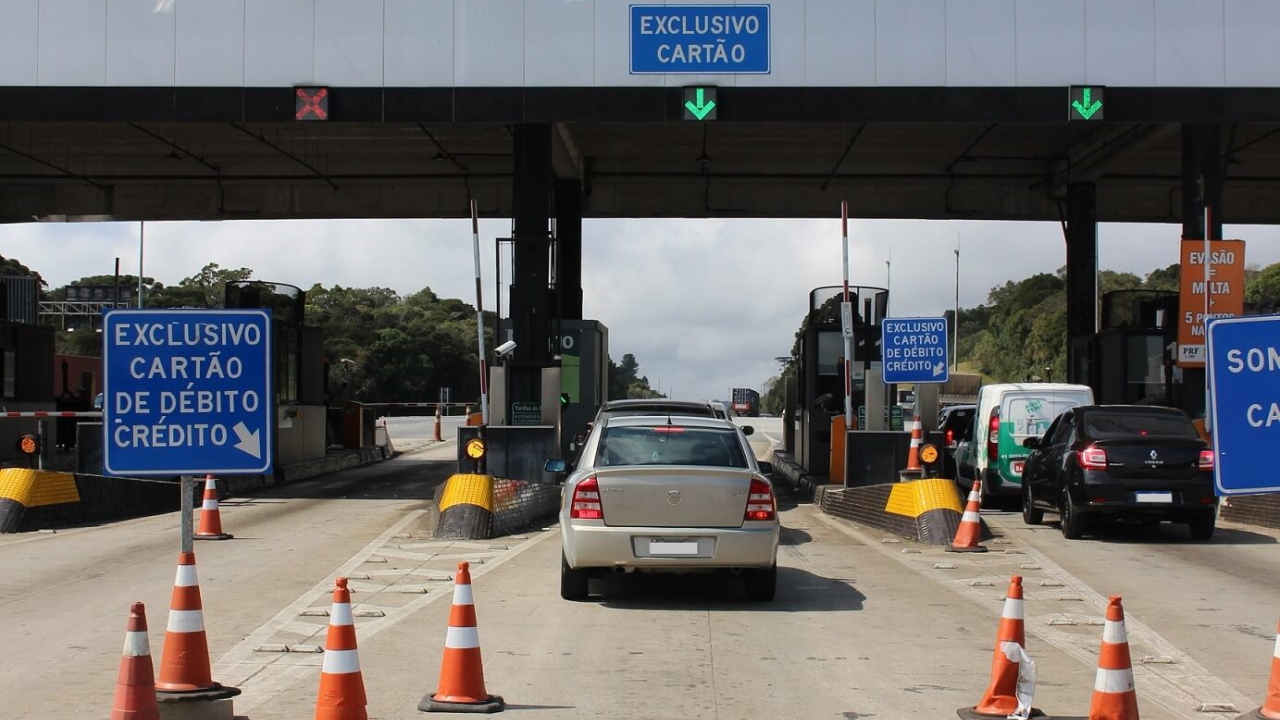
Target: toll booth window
{"points": [[830, 351], [1144, 379], [287, 376], [10, 373]]}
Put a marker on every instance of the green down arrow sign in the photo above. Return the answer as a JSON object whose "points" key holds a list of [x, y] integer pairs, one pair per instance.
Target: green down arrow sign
{"points": [[1086, 103], [700, 103]]}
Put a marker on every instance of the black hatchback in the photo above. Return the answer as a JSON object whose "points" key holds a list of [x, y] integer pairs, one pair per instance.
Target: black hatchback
{"points": [[1120, 462]]}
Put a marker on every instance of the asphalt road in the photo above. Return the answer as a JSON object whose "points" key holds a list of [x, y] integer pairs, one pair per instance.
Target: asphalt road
{"points": [[863, 625]]}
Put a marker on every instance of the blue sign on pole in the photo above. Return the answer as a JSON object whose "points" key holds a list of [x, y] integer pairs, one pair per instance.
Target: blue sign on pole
{"points": [[187, 392], [700, 39], [915, 350], [1244, 387]]}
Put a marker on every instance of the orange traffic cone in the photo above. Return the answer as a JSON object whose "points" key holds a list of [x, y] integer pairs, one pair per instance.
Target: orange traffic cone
{"points": [[210, 518], [969, 534], [437, 435], [913, 455], [1001, 697], [1113, 695], [341, 694], [1270, 709], [461, 686], [136, 683], [184, 662]]}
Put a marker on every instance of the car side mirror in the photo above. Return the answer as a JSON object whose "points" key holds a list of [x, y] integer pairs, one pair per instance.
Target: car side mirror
{"points": [[747, 430], [766, 468], [556, 466], [1031, 443]]}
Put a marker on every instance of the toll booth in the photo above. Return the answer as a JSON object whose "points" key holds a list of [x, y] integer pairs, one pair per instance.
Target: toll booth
{"points": [[1131, 359], [820, 381]]}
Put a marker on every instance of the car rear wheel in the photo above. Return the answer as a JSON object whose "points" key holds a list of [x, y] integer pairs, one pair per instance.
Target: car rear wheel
{"points": [[1202, 528], [1071, 524], [573, 583], [1030, 515], [760, 583]]}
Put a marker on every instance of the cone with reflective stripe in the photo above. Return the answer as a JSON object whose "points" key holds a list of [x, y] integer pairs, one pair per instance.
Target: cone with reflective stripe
{"points": [[917, 436], [341, 695], [1270, 709], [1114, 697], [184, 662], [436, 434], [136, 683], [1001, 697], [210, 518], [969, 534], [461, 686]]}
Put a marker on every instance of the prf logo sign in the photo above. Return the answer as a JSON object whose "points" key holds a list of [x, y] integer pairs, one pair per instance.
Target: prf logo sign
{"points": [[700, 39]]}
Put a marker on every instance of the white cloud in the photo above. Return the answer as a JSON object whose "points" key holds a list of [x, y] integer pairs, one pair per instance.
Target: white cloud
{"points": [[705, 305]]}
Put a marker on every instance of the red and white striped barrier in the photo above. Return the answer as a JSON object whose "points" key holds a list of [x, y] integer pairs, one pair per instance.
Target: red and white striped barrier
{"points": [[52, 414]]}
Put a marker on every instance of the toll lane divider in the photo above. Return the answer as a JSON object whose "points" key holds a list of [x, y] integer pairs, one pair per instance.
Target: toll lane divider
{"points": [[473, 506], [926, 511]]}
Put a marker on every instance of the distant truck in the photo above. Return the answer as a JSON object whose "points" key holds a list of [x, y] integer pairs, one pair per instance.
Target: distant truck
{"points": [[746, 402]]}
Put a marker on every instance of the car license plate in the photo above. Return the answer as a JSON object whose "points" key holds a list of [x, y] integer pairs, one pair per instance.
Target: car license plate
{"points": [[1017, 467], [1153, 497], [667, 547]]}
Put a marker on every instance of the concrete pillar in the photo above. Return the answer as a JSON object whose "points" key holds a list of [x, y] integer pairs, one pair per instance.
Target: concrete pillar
{"points": [[530, 308], [569, 248], [1082, 262]]}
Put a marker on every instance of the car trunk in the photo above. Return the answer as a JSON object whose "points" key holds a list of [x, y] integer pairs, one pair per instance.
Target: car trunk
{"points": [[1152, 458], [674, 496]]}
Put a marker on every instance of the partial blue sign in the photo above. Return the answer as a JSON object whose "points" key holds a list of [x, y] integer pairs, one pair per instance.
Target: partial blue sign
{"points": [[1244, 387], [187, 392], [915, 350], [700, 39]]}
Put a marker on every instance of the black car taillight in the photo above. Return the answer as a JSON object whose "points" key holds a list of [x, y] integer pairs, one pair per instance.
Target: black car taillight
{"points": [[1093, 458]]}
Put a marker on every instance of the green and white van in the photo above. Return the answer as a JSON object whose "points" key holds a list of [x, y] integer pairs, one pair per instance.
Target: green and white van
{"points": [[1007, 414]]}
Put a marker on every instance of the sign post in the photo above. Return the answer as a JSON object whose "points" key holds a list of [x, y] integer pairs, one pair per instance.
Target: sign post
{"points": [[1244, 376], [915, 350]]}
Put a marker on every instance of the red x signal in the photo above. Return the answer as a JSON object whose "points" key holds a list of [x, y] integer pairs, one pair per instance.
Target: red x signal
{"points": [[312, 105]]}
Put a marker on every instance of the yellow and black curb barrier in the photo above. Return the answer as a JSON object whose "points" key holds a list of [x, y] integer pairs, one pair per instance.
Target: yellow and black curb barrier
{"points": [[926, 511], [21, 490], [478, 507]]}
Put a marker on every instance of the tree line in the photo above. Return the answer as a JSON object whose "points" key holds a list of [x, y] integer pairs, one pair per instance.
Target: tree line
{"points": [[381, 346]]}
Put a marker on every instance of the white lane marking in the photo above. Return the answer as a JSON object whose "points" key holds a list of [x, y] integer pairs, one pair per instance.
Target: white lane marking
{"points": [[341, 662], [462, 638], [1114, 681], [262, 680], [1180, 688], [186, 621], [136, 645]]}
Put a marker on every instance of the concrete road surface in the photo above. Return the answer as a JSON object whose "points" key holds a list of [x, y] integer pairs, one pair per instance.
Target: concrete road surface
{"points": [[863, 625]]}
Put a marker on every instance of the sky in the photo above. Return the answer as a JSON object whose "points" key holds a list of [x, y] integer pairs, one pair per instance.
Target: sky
{"points": [[704, 305]]}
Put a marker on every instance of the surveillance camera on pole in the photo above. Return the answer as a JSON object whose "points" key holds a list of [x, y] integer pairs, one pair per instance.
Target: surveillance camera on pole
{"points": [[505, 348]]}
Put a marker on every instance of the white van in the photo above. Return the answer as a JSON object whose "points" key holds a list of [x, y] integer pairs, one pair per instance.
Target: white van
{"points": [[1007, 414]]}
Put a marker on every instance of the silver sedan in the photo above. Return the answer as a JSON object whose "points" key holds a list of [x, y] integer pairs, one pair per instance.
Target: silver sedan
{"points": [[668, 494]]}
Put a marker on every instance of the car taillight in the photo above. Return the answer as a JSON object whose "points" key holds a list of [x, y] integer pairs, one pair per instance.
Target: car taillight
{"points": [[760, 504], [1206, 459], [951, 437], [586, 501], [993, 436], [1093, 458]]}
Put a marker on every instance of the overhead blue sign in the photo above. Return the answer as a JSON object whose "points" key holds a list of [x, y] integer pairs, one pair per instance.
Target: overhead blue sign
{"points": [[914, 350], [700, 39], [1244, 387], [187, 392]]}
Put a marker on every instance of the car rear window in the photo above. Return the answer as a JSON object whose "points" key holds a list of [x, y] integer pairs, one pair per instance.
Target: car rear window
{"points": [[1110, 425], [1031, 415], [677, 410], [711, 447]]}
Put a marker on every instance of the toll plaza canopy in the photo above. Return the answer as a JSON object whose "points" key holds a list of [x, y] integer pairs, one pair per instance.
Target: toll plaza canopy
{"points": [[205, 109]]}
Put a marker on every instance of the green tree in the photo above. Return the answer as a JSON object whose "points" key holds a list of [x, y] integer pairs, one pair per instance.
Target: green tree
{"points": [[1263, 292]]}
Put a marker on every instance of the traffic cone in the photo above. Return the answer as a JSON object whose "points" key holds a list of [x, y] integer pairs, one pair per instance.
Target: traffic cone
{"points": [[1113, 695], [969, 534], [913, 455], [136, 682], [1270, 709], [184, 662], [1001, 697], [210, 518], [341, 695], [438, 437], [461, 686]]}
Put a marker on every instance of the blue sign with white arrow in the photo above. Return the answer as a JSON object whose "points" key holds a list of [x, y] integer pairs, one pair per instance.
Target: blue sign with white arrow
{"points": [[914, 350], [1244, 388], [187, 392]]}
